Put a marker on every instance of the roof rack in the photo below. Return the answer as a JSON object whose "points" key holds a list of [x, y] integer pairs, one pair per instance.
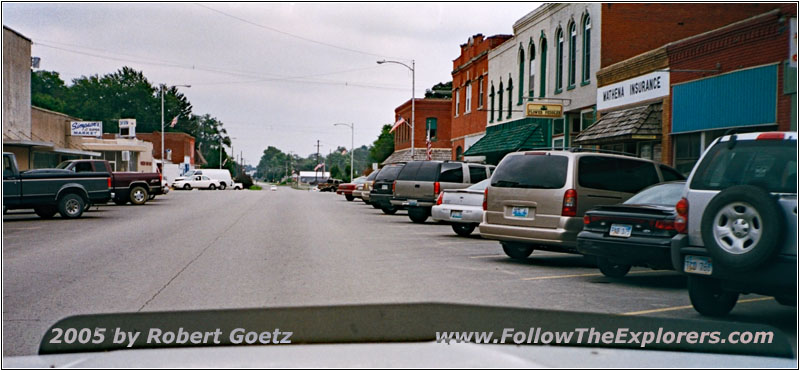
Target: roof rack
{"points": [[579, 149]]}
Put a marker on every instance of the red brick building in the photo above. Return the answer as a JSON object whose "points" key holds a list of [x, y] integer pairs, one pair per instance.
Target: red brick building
{"points": [[431, 116], [470, 87], [180, 144]]}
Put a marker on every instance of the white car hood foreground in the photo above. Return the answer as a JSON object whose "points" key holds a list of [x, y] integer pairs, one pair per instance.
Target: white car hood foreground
{"points": [[393, 335]]}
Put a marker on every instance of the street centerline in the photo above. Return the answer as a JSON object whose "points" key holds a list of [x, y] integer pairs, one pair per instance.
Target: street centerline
{"points": [[682, 307]]}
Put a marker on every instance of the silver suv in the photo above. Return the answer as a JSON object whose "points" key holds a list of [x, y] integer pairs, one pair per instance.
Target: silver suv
{"points": [[536, 199], [738, 222]]}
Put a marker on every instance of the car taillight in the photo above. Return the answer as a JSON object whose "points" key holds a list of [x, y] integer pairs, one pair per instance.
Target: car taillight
{"points": [[770, 136], [436, 188], [570, 206], [587, 219], [666, 225], [394, 184], [439, 199], [485, 198], [160, 178], [682, 220], [108, 180]]}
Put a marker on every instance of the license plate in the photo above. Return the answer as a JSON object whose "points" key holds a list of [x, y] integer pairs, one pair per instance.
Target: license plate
{"points": [[620, 230], [697, 264], [411, 202], [455, 214], [519, 212], [385, 186]]}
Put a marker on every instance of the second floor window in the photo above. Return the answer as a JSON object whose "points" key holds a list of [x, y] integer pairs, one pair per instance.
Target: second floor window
{"points": [[587, 47], [500, 101], [510, 89], [573, 38], [521, 62], [559, 59], [468, 98], [491, 104], [430, 122], [458, 101], [532, 77], [480, 92]]}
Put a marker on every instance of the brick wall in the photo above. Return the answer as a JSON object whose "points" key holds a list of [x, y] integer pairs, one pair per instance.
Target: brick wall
{"points": [[181, 144], [424, 108]]}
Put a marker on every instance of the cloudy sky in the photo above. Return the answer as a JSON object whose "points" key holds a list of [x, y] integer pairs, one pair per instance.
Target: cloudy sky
{"points": [[277, 74]]}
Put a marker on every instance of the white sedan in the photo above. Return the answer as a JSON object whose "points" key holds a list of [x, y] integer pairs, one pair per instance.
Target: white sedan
{"points": [[197, 181], [462, 208]]}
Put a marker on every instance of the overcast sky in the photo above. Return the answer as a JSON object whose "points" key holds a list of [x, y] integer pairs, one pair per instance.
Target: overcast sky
{"points": [[277, 74]]}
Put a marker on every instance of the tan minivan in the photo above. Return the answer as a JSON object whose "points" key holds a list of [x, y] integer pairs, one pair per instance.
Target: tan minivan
{"points": [[536, 199]]}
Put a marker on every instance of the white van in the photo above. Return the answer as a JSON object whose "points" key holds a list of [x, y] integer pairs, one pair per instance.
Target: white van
{"points": [[223, 175]]}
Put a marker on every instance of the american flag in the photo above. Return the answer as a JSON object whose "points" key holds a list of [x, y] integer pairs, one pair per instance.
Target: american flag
{"points": [[174, 122], [318, 166], [344, 152], [429, 151], [397, 124]]}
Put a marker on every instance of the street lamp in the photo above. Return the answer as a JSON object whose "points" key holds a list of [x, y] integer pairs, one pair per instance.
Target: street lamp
{"points": [[352, 131], [413, 81], [163, 164]]}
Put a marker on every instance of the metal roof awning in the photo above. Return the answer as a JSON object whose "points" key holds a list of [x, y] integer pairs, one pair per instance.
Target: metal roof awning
{"points": [[637, 123], [27, 143], [404, 155], [513, 136], [78, 152], [114, 147]]}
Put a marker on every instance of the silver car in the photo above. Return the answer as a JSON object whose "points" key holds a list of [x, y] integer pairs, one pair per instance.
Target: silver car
{"points": [[463, 208]]}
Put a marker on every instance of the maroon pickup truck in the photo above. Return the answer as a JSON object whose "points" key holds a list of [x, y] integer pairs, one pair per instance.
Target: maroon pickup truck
{"points": [[128, 186]]}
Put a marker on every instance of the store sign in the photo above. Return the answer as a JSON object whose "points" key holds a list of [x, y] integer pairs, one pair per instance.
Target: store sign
{"points": [[86, 128], [127, 123], [544, 110], [639, 89]]}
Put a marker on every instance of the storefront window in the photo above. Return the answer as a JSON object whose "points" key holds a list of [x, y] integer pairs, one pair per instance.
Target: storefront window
{"points": [[687, 151], [558, 126], [45, 160], [587, 119]]}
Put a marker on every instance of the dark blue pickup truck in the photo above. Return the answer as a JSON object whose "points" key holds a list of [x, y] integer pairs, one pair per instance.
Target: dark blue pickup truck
{"points": [[48, 191]]}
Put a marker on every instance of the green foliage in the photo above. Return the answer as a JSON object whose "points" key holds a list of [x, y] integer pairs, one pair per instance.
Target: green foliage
{"points": [[245, 179], [440, 90], [383, 146], [254, 187], [336, 173]]}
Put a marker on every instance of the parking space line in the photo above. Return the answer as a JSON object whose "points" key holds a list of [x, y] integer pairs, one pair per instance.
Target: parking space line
{"points": [[682, 307], [586, 275], [487, 256]]}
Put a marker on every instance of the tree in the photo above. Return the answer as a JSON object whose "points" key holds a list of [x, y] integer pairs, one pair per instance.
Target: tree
{"points": [[440, 90], [48, 90], [383, 146]]}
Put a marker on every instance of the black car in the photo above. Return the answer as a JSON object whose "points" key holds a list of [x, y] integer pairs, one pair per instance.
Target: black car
{"points": [[635, 232], [381, 193]]}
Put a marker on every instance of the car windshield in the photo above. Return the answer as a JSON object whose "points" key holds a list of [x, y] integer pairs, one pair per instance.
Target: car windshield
{"points": [[384, 178], [666, 194]]}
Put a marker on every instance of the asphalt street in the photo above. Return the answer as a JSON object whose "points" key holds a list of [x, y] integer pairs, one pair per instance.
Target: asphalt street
{"points": [[242, 249]]}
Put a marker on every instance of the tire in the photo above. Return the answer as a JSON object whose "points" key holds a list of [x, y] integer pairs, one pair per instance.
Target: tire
{"points": [[742, 228], [222, 186], [138, 195], [708, 298], [517, 251], [45, 212], [349, 197], [418, 214], [213, 187], [365, 201], [187, 186], [390, 210], [70, 206], [612, 270], [120, 201], [463, 230], [376, 206]]}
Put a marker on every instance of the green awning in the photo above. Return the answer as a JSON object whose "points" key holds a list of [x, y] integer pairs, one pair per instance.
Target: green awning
{"points": [[519, 135]]}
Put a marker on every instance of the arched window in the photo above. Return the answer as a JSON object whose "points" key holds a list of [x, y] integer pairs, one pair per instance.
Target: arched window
{"points": [[510, 90], [559, 59], [573, 39], [543, 69], [532, 77], [480, 92], [587, 47], [500, 101], [521, 75], [491, 103]]}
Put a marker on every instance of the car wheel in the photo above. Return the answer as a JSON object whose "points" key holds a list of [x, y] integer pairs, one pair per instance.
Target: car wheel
{"points": [[463, 230], [70, 206], [376, 206], [517, 251], [365, 201], [418, 214], [138, 195], [613, 270], [708, 298], [742, 227], [213, 187], [349, 197], [45, 212], [389, 210], [222, 186], [187, 186], [120, 201]]}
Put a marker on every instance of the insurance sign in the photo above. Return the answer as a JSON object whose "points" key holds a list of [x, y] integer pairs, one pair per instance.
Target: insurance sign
{"points": [[86, 128], [638, 89]]}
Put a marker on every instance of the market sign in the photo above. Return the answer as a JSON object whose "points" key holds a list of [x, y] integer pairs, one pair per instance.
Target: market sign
{"points": [[638, 89], [544, 110], [86, 128], [127, 123]]}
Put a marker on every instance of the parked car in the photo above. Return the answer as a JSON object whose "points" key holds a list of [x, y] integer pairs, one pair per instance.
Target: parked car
{"points": [[536, 199], [381, 192], [737, 222], [238, 186], [223, 175], [347, 189], [636, 232], [329, 185], [462, 208], [273, 188], [362, 190], [52, 190], [198, 181], [419, 183], [132, 187]]}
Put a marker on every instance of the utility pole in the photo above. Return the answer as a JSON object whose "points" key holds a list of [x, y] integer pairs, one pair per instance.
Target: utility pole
{"points": [[317, 165]]}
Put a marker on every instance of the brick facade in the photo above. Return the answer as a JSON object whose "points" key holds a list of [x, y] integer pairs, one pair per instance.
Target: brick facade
{"points": [[423, 109], [181, 144]]}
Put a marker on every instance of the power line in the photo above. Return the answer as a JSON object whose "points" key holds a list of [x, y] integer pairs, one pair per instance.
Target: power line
{"points": [[273, 29]]}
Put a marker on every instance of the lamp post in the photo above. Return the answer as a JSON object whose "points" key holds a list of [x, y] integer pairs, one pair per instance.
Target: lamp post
{"points": [[162, 123], [413, 82], [352, 131]]}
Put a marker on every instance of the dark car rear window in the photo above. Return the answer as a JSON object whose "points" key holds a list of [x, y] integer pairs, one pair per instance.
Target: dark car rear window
{"points": [[616, 174], [389, 172], [531, 171], [477, 173], [425, 171], [771, 165], [452, 172], [372, 175]]}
